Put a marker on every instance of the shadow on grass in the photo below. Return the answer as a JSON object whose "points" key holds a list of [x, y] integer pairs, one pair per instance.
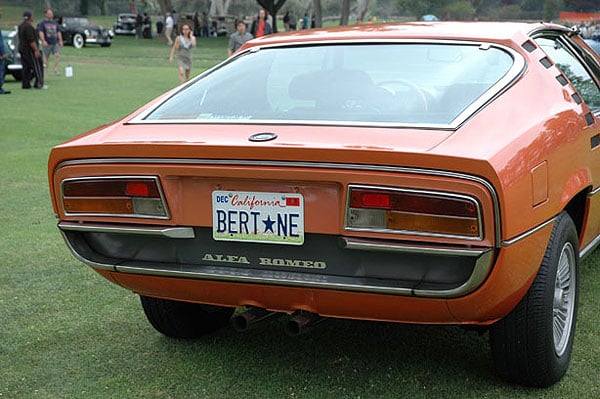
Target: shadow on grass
{"points": [[340, 358]]}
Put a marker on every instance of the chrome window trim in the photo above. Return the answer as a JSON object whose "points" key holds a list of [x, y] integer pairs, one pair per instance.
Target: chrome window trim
{"points": [[410, 232], [116, 177], [514, 73], [311, 165]]}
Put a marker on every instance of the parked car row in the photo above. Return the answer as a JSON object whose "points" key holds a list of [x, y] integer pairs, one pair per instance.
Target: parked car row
{"points": [[76, 31]]}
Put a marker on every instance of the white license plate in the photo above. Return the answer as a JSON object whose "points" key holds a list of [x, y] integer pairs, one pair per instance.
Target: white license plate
{"points": [[258, 217]]}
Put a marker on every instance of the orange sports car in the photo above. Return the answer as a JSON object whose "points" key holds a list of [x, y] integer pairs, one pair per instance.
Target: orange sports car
{"points": [[441, 173]]}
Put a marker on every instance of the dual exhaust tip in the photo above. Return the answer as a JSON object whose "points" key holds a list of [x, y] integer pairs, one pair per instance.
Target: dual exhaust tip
{"points": [[299, 323]]}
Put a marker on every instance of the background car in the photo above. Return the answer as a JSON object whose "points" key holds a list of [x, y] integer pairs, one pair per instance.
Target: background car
{"points": [[79, 32], [429, 172], [13, 65], [125, 24]]}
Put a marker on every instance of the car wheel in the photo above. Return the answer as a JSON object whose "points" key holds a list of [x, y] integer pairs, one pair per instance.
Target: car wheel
{"points": [[78, 40], [183, 319], [532, 345]]}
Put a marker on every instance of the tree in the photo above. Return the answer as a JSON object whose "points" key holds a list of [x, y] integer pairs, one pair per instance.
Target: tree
{"points": [[317, 13], [101, 5], [551, 9], [219, 7], [345, 18], [272, 7], [165, 6], [361, 9], [84, 7]]}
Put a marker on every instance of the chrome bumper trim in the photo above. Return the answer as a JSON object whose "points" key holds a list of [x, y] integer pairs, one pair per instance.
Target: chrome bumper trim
{"points": [[369, 245], [170, 232], [483, 265], [526, 234]]}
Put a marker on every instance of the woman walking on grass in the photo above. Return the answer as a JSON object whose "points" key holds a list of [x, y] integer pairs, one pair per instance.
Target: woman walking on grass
{"points": [[184, 43]]}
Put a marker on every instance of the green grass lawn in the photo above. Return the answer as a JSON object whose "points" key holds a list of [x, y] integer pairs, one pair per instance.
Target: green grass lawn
{"points": [[65, 332]]}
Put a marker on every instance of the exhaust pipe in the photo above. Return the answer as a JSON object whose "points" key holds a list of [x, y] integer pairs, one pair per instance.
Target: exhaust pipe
{"points": [[249, 318], [302, 322]]}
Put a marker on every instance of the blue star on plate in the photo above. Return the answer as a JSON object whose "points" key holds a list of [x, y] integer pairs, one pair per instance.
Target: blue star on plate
{"points": [[269, 224]]}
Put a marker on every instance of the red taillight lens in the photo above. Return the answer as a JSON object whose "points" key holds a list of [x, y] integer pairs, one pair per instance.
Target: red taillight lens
{"points": [[141, 189], [414, 211], [367, 199], [113, 197], [110, 188]]}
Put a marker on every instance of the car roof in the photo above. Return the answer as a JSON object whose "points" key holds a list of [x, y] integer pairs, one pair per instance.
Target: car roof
{"points": [[476, 31]]}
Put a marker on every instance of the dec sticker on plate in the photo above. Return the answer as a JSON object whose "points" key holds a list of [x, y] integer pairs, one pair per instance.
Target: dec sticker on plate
{"points": [[276, 218]]}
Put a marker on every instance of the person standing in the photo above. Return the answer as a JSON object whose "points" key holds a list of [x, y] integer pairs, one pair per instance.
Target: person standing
{"points": [[139, 22], [3, 58], [169, 28], [31, 57], [184, 43], [286, 21], [51, 38], [237, 38], [261, 26]]}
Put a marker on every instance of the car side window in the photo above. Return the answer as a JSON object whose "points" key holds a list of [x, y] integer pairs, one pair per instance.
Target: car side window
{"points": [[573, 69]]}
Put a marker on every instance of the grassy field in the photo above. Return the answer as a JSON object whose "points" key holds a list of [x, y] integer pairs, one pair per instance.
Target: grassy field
{"points": [[67, 333]]}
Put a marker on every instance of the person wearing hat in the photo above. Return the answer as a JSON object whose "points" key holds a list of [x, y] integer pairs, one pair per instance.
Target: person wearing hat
{"points": [[31, 57]]}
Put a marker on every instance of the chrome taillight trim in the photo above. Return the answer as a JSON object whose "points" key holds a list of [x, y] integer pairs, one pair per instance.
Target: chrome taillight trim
{"points": [[117, 177], [413, 191], [310, 165]]}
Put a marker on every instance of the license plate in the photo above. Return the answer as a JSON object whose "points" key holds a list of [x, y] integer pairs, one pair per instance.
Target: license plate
{"points": [[276, 218]]}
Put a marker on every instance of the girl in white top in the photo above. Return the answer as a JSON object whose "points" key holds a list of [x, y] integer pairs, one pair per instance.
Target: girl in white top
{"points": [[184, 43]]}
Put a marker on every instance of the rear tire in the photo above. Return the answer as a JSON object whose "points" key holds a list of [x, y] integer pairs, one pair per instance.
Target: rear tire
{"points": [[184, 319], [532, 345]]}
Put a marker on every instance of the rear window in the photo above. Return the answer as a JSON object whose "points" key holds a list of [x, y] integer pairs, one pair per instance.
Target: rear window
{"points": [[397, 83]]}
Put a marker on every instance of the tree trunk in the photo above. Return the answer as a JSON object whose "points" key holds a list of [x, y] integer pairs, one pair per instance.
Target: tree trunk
{"points": [[165, 6], [345, 12], [317, 12], [272, 7], [84, 7], [361, 9], [101, 6]]}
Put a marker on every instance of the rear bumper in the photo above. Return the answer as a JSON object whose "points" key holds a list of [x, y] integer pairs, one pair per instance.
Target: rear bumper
{"points": [[324, 261], [481, 287]]}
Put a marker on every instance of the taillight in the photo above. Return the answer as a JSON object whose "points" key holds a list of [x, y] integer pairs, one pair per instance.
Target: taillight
{"points": [[114, 196], [414, 212]]}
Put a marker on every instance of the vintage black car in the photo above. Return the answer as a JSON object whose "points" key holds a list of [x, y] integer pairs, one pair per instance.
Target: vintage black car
{"points": [[13, 65], [79, 32], [125, 24]]}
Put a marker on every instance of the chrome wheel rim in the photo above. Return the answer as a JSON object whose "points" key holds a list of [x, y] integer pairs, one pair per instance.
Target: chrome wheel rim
{"points": [[78, 41], [563, 308]]}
